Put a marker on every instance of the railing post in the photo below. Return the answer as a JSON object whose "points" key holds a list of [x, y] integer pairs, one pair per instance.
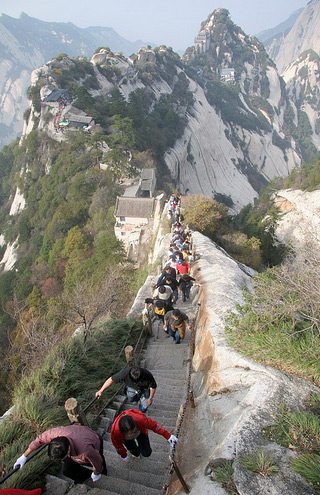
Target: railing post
{"points": [[191, 398], [74, 412], [129, 353]]}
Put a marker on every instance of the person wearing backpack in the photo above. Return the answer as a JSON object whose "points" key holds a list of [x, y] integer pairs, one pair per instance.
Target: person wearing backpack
{"points": [[129, 433], [173, 284], [163, 292], [175, 324], [140, 385]]}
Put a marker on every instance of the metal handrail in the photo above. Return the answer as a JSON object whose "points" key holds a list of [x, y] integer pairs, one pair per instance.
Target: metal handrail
{"points": [[34, 454], [86, 408]]}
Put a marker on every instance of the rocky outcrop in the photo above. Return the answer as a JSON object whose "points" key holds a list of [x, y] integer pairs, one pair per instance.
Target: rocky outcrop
{"points": [[272, 38], [235, 139], [27, 43], [299, 217], [207, 160]]}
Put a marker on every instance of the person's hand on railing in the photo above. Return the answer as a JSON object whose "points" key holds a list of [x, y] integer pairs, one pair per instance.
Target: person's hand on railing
{"points": [[20, 462], [173, 440], [95, 477], [98, 394]]}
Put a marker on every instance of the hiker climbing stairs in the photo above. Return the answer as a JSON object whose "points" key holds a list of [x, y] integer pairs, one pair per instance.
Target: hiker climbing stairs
{"points": [[167, 362]]}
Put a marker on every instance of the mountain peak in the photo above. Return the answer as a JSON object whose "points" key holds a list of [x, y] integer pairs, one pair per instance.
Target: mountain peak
{"points": [[221, 46]]}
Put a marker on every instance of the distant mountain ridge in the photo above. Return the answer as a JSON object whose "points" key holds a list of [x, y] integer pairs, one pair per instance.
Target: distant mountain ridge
{"points": [[284, 27], [27, 43], [304, 35], [225, 93]]}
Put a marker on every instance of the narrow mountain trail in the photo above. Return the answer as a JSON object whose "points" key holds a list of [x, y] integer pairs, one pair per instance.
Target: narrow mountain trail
{"points": [[168, 362]]}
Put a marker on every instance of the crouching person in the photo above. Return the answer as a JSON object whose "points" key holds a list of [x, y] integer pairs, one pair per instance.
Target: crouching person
{"points": [[129, 432], [76, 446]]}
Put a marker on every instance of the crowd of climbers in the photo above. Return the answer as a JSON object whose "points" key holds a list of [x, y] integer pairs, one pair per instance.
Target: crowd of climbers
{"points": [[174, 279], [80, 448]]}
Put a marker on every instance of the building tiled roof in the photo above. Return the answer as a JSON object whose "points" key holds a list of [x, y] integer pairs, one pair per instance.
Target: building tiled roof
{"points": [[147, 177], [57, 94], [81, 119], [147, 173], [135, 207]]}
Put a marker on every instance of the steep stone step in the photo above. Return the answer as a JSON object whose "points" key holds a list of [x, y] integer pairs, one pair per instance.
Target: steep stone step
{"points": [[164, 364], [143, 464], [170, 347], [169, 372], [131, 474], [156, 406], [167, 341], [163, 401], [84, 490], [160, 449], [123, 487]]}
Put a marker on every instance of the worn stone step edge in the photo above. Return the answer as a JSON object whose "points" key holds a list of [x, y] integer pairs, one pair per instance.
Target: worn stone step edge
{"points": [[123, 487], [144, 465], [159, 449], [131, 474]]}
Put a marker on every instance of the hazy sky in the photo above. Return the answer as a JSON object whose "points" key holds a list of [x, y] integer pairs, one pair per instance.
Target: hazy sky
{"points": [[171, 22]]}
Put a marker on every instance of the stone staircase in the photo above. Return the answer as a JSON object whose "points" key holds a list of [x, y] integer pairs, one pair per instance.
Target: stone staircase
{"points": [[146, 476], [167, 362]]}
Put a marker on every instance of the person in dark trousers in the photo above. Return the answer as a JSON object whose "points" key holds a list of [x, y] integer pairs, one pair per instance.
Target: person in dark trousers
{"points": [[156, 309], [175, 324], [77, 446], [185, 283], [140, 385], [173, 284], [129, 432]]}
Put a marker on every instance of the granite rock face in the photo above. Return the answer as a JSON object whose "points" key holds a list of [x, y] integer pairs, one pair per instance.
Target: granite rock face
{"points": [[235, 397]]}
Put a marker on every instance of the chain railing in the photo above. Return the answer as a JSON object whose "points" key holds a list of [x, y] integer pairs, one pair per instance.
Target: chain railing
{"points": [[173, 467]]}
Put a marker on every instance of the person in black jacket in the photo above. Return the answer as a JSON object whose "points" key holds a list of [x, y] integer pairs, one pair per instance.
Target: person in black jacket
{"points": [[168, 271], [185, 283], [140, 385]]}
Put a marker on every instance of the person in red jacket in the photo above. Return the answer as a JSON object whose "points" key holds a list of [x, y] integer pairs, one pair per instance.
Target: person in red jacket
{"points": [[129, 432], [183, 268]]}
